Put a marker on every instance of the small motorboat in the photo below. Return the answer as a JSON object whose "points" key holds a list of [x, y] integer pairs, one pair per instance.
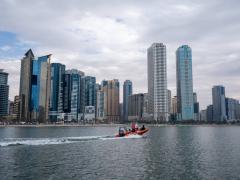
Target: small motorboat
{"points": [[123, 131]]}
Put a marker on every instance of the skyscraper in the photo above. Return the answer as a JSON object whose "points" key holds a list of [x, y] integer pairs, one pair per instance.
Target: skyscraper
{"points": [[184, 83], [157, 82], [16, 106], [40, 93], [218, 100], [195, 107], [174, 105], [72, 94], [100, 104], [127, 91], [4, 93], [231, 108], [35, 86], [89, 91], [210, 113], [26, 86], [56, 95], [169, 101], [89, 97], [136, 107], [111, 100]]}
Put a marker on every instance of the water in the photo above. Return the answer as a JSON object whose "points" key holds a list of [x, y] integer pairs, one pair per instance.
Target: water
{"points": [[170, 152]]}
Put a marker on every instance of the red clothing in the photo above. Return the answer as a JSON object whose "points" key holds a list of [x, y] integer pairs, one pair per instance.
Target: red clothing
{"points": [[133, 126]]}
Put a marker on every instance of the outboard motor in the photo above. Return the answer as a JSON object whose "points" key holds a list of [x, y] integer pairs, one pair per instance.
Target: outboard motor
{"points": [[121, 132]]}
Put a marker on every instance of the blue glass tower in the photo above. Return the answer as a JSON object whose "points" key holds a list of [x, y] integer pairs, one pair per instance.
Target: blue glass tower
{"points": [[127, 91], [40, 88], [4, 93], [56, 97], [72, 94], [219, 106], [184, 83]]}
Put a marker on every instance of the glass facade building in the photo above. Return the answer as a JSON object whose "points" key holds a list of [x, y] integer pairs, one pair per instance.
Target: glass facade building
{"points": [[127, 91], [56, 98], [40, 92], [184, 83], [219, 106], [34, 88], [72, 94], [4, 93]]}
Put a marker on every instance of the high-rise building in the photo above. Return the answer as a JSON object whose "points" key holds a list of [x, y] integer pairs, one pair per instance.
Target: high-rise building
{"points": [[16, 106], [184, 83], [4, 93], [203, 115], [67, 93], [40, 93], [89, 97], [25, 90], [219, 106], [35, 86], [231, 108], [56, 95], [136, 107], [100, 104], [10, 108], [72, 95], [174, 105], [157, 82], [111, 100], [127, 91], [210, 113], [195, 107], [169, 101], [238, 112]]}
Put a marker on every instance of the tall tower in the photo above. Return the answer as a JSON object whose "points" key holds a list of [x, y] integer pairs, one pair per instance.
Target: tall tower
{"points": [[72, 94], [218, 100], [111, 100], [4, 93], [184, 83], [127, 91], [40, 89], [35, 86], [56, 95], [26, 86], [157, 82]]}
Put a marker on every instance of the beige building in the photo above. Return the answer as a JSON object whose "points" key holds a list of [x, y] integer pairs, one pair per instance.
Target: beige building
{"points": [[174, 105], [25, 86], [111, 108]]}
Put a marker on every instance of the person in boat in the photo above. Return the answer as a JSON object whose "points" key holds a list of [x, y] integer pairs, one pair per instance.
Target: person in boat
{"points": [[134, 127], [143, 127], [121, 132]]}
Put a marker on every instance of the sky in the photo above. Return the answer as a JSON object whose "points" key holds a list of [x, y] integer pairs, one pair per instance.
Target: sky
{"points": [[108, 39]]}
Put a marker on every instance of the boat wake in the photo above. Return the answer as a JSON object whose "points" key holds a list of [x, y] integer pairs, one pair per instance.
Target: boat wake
{"points": [[54, 141]]}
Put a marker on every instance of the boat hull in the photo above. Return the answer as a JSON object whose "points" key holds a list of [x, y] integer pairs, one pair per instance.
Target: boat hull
{"points": [[138, 132]]}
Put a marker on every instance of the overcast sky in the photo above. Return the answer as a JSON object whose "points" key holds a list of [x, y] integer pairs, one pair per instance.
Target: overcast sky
{"points": [[109, 39]]}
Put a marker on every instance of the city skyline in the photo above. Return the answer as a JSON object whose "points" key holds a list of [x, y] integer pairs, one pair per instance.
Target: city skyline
{"points": [[83, 45]]}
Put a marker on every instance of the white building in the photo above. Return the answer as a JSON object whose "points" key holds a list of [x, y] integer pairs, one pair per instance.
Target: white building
{"points": [[157, 82], [100, 105], [89, 114]]}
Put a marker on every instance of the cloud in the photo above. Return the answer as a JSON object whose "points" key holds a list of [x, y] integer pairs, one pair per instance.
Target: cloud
{"points": [[108, 39]]}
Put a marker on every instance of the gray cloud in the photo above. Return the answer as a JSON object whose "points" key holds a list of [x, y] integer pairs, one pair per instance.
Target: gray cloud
{"points": [[108, 39]]}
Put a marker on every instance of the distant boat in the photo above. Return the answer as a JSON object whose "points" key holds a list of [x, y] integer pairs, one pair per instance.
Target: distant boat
{"points": [[123, 131]]}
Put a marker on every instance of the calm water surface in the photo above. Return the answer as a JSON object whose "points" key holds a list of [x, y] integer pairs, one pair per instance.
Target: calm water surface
{"points": [[183, 152]]}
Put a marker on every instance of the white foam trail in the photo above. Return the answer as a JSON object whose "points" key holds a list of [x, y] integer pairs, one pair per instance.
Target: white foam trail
{"points": [[33, 142], [63, 140], [133, 136]]}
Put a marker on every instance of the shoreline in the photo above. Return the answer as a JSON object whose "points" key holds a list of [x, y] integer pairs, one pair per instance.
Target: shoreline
{"points": [[111, 125]]}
